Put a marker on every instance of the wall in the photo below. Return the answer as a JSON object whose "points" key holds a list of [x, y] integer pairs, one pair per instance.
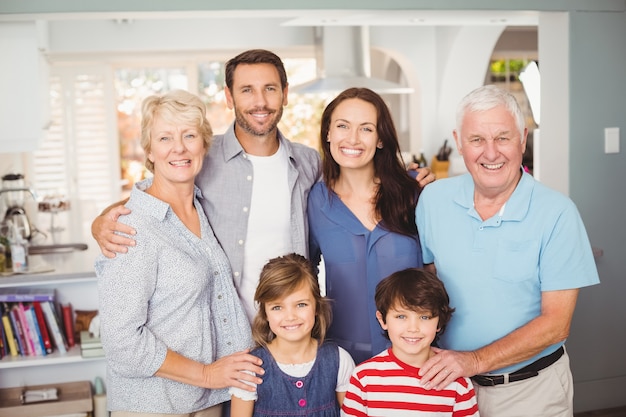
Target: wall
{"points": [[597, 186]]}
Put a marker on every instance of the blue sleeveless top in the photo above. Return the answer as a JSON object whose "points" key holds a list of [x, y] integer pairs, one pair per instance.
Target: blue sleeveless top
{"points": [[312, 395]]}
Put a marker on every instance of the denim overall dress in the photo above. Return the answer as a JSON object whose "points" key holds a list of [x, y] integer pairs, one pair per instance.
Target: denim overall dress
{"points": [[312, 395]]}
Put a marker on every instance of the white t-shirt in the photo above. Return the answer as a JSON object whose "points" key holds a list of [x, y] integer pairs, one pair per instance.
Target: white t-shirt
{"points": [[269, 231]]}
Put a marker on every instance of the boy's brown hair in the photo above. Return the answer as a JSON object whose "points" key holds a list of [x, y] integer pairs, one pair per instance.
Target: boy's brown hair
{"points": [[417, 290]]}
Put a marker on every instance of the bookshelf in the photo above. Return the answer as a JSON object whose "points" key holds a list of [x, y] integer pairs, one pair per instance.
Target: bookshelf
{"points": [[74, 282], [55, 358]]}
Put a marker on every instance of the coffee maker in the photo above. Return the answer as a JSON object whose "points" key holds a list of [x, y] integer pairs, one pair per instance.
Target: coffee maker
{"points": [[13, 191]]}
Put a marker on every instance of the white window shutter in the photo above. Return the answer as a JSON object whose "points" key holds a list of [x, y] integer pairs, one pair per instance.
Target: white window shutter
{"points": [[79, 158]]}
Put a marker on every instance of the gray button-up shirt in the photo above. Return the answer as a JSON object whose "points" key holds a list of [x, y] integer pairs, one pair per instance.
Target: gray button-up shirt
{"points": [[173, 290], [226, 184]]}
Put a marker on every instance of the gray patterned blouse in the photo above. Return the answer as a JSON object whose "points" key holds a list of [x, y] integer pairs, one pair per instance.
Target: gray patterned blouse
{"points": [[173, 290]]}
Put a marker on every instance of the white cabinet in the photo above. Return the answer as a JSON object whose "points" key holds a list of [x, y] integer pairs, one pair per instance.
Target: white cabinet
{"points": [[77, 288], [24, 102]]}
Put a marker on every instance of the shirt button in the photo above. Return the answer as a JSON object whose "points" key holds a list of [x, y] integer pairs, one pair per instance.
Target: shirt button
{"points": [[216, 273], [302, 402], [245, 209], [225, 320], [236, 273], [240, 241], [249, 177], [299, 384], [219, 297]]}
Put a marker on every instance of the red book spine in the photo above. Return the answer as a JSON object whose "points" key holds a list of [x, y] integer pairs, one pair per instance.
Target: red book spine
{"points": [[42, 327], [68, 323]]}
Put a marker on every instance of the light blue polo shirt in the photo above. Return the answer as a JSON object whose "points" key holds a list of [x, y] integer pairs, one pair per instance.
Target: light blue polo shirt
{"points": [[495, 270]]}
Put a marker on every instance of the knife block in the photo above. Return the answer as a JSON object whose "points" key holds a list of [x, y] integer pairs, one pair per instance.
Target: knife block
{"points": [[440, 168]]}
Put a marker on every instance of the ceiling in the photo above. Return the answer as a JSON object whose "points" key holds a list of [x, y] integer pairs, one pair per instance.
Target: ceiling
{"points": [[314, 17], [415, 18]]}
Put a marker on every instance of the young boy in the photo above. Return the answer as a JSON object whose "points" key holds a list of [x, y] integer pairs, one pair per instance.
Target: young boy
{"points": [[413, 310]]}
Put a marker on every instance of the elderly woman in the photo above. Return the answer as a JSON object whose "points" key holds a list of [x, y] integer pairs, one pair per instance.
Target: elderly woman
{"points": [[172, 324]]}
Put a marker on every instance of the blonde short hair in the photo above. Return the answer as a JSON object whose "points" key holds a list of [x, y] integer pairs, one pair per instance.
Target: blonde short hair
{"points": [[178, 106]]}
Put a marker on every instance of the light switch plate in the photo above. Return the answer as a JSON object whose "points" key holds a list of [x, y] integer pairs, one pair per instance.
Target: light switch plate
{"points": [[611, 140]]}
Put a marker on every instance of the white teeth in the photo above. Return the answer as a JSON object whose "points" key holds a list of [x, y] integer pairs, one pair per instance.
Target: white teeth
{"points": [[351, 151], [181, 163], [493, 166], [290, 327]]}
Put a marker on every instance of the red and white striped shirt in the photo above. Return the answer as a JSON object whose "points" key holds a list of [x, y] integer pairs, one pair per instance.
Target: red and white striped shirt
{"points": [[383, 386]]}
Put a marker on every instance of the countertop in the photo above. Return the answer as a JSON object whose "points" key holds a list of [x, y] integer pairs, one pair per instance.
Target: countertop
{"points": [[69, 266]]}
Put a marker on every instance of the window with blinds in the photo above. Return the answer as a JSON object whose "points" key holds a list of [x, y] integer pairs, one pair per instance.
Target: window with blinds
{"points": [[78, 159], [94, 111]]}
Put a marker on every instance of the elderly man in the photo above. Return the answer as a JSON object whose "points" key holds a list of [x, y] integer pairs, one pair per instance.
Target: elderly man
{"points": [[513, 255]]}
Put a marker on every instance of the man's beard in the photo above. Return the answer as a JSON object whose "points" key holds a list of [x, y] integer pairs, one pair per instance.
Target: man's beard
{"points": [[242, 122]]}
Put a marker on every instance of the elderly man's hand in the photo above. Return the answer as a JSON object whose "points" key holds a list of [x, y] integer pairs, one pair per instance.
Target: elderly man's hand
{"points": [[446, 366]]}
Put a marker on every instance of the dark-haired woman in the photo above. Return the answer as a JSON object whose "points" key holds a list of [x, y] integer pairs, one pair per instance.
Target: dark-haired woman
{"points": [[362, 216]]}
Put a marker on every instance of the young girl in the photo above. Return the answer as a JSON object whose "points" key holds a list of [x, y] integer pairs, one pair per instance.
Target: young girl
{"points": [[303, 374]]}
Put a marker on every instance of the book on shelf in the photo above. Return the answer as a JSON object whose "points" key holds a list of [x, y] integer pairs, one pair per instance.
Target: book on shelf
{"points": [[8, 330], [89, 341], [54, 326], [26, 294], [26, 329], [68, 323], [92, 353], [18, 330], [4, 343], [35, 332], [90, 345], [43, 327]]}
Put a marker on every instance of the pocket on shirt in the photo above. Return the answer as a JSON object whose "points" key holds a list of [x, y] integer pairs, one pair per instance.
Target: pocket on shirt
{"points": [[516, 261]]}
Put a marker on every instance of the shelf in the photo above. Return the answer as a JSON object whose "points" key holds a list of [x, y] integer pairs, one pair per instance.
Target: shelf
{"points": [[43, 279], [54, 358]]}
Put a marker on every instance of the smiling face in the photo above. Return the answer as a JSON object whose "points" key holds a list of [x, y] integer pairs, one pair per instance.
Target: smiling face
{"points": [[257, 98], [411, 333], [291, 318], [492, 149], [352, 134], [176, 150]]}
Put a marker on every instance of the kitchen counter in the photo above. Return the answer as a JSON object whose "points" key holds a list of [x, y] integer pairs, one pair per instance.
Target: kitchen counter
{"points": [[59, 267]]}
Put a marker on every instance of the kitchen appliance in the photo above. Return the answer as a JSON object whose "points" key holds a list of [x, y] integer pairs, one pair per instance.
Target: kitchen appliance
{"points": [[14, 191]]}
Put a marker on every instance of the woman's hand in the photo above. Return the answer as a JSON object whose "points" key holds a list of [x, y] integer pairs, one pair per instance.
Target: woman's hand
{"points": [[229, 371], [233, 370]]}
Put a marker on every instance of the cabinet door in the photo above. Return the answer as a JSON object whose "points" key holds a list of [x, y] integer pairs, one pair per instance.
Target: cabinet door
{"points": [[23, 100]]}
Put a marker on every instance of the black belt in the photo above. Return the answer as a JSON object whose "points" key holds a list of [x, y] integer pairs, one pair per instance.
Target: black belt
{"points": [[526, 372]]}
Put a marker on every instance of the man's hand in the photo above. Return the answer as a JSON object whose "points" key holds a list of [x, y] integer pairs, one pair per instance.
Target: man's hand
{"points": [[446, 366], [103, 231], [424, 175], [232, 370]]}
